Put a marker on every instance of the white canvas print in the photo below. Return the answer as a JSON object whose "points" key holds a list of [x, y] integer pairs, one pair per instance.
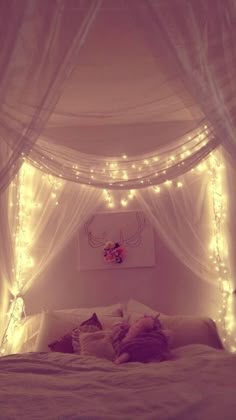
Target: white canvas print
{"points": [[116, 241]]}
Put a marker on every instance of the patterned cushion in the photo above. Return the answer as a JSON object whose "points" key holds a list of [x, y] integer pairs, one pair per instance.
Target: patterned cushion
{"points": [[90, 325], [64, 345], [69, 343], [97, 344]]}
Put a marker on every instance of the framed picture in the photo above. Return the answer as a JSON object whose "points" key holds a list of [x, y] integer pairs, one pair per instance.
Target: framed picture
{"points": [[116, 241]]}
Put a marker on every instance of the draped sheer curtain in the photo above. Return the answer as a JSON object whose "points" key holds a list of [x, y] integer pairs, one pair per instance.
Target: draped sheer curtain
{"points": [[41, 42], [200, 36], [196, 222], [76, 203], [181, 218], [44, 213]]}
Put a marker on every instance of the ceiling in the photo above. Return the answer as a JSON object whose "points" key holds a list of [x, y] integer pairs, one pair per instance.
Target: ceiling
{"points": [[125, 94]]}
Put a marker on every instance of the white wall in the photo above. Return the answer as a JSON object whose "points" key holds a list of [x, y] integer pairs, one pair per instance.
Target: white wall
{"points": [[169, 286]]}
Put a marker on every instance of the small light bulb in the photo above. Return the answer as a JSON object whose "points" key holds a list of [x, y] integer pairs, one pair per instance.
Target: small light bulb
{"points": [[124, 202]]}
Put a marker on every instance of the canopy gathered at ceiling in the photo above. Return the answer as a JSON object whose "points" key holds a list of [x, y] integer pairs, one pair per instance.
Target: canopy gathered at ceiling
{"points": [[147, 91], [121, 95]]}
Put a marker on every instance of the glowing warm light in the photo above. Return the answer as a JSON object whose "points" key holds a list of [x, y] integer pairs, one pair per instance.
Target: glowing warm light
{"points": [[131, 194], [109, 196], [14, 316], [134, 170], [219, 251], [124, 202], [26, 213], [168, 183]]}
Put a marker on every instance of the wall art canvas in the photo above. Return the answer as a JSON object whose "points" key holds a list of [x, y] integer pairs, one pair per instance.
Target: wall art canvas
{"points": [[116, 241]]}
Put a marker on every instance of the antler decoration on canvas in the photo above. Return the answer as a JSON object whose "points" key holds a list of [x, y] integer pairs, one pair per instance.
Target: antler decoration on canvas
{"points": [[134, 239], [94, 241], [114, 251]]}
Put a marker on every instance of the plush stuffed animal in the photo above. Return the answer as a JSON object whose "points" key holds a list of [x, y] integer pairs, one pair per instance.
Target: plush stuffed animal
{"points": [[144, 341]]}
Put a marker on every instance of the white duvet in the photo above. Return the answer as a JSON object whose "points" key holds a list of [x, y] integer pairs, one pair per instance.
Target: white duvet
{"points": [[199, 384]]}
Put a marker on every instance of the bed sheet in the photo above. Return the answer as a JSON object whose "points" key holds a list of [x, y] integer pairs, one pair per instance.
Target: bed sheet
{"points": [[199, 384]]}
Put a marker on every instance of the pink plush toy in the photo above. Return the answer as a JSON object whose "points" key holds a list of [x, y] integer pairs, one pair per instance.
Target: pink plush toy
{"points": [[143, 342]]}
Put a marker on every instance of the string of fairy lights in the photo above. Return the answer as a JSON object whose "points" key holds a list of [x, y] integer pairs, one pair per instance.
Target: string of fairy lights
{"points": [[218, 253], [125, 172], [22, 196]]}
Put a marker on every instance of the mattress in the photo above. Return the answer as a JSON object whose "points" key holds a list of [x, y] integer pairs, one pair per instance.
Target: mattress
{"points": [[199, 383]]}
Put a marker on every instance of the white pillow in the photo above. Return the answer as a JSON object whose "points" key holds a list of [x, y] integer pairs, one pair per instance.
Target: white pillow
{"points": [[185, 330], [26, 334], [182, 330], [110, 310], [54, 325], [135, 307]]}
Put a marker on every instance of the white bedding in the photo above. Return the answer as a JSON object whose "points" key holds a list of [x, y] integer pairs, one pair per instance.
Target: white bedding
{"points": [[199, 384]]}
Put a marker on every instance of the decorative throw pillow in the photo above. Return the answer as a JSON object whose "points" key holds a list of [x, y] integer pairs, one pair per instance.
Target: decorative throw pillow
{"points": [[55, 325], [90, 325], [97, 344], [64, 345]]}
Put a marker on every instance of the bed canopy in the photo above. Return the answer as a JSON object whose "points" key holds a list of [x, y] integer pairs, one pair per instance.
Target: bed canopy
{"points": [[107, 100]]}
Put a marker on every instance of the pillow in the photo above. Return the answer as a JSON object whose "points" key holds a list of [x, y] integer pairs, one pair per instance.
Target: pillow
{"points": [[135, 310], [97, 344], [133, 306], [185, 330], [68, 343], [90, 325], [182, 330], [110, 310], [64, 345], [55, 325]]}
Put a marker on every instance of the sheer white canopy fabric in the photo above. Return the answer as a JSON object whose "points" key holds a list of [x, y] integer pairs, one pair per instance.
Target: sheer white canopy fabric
{"points": [[122, 173], [181, 218], [48, 212], [41, 42], [41, 217], [201, 39], [161, 85], [118, 95]]}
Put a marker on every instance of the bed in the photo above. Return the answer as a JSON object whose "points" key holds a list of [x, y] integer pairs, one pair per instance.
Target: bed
{"points": [[199, 382]]}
